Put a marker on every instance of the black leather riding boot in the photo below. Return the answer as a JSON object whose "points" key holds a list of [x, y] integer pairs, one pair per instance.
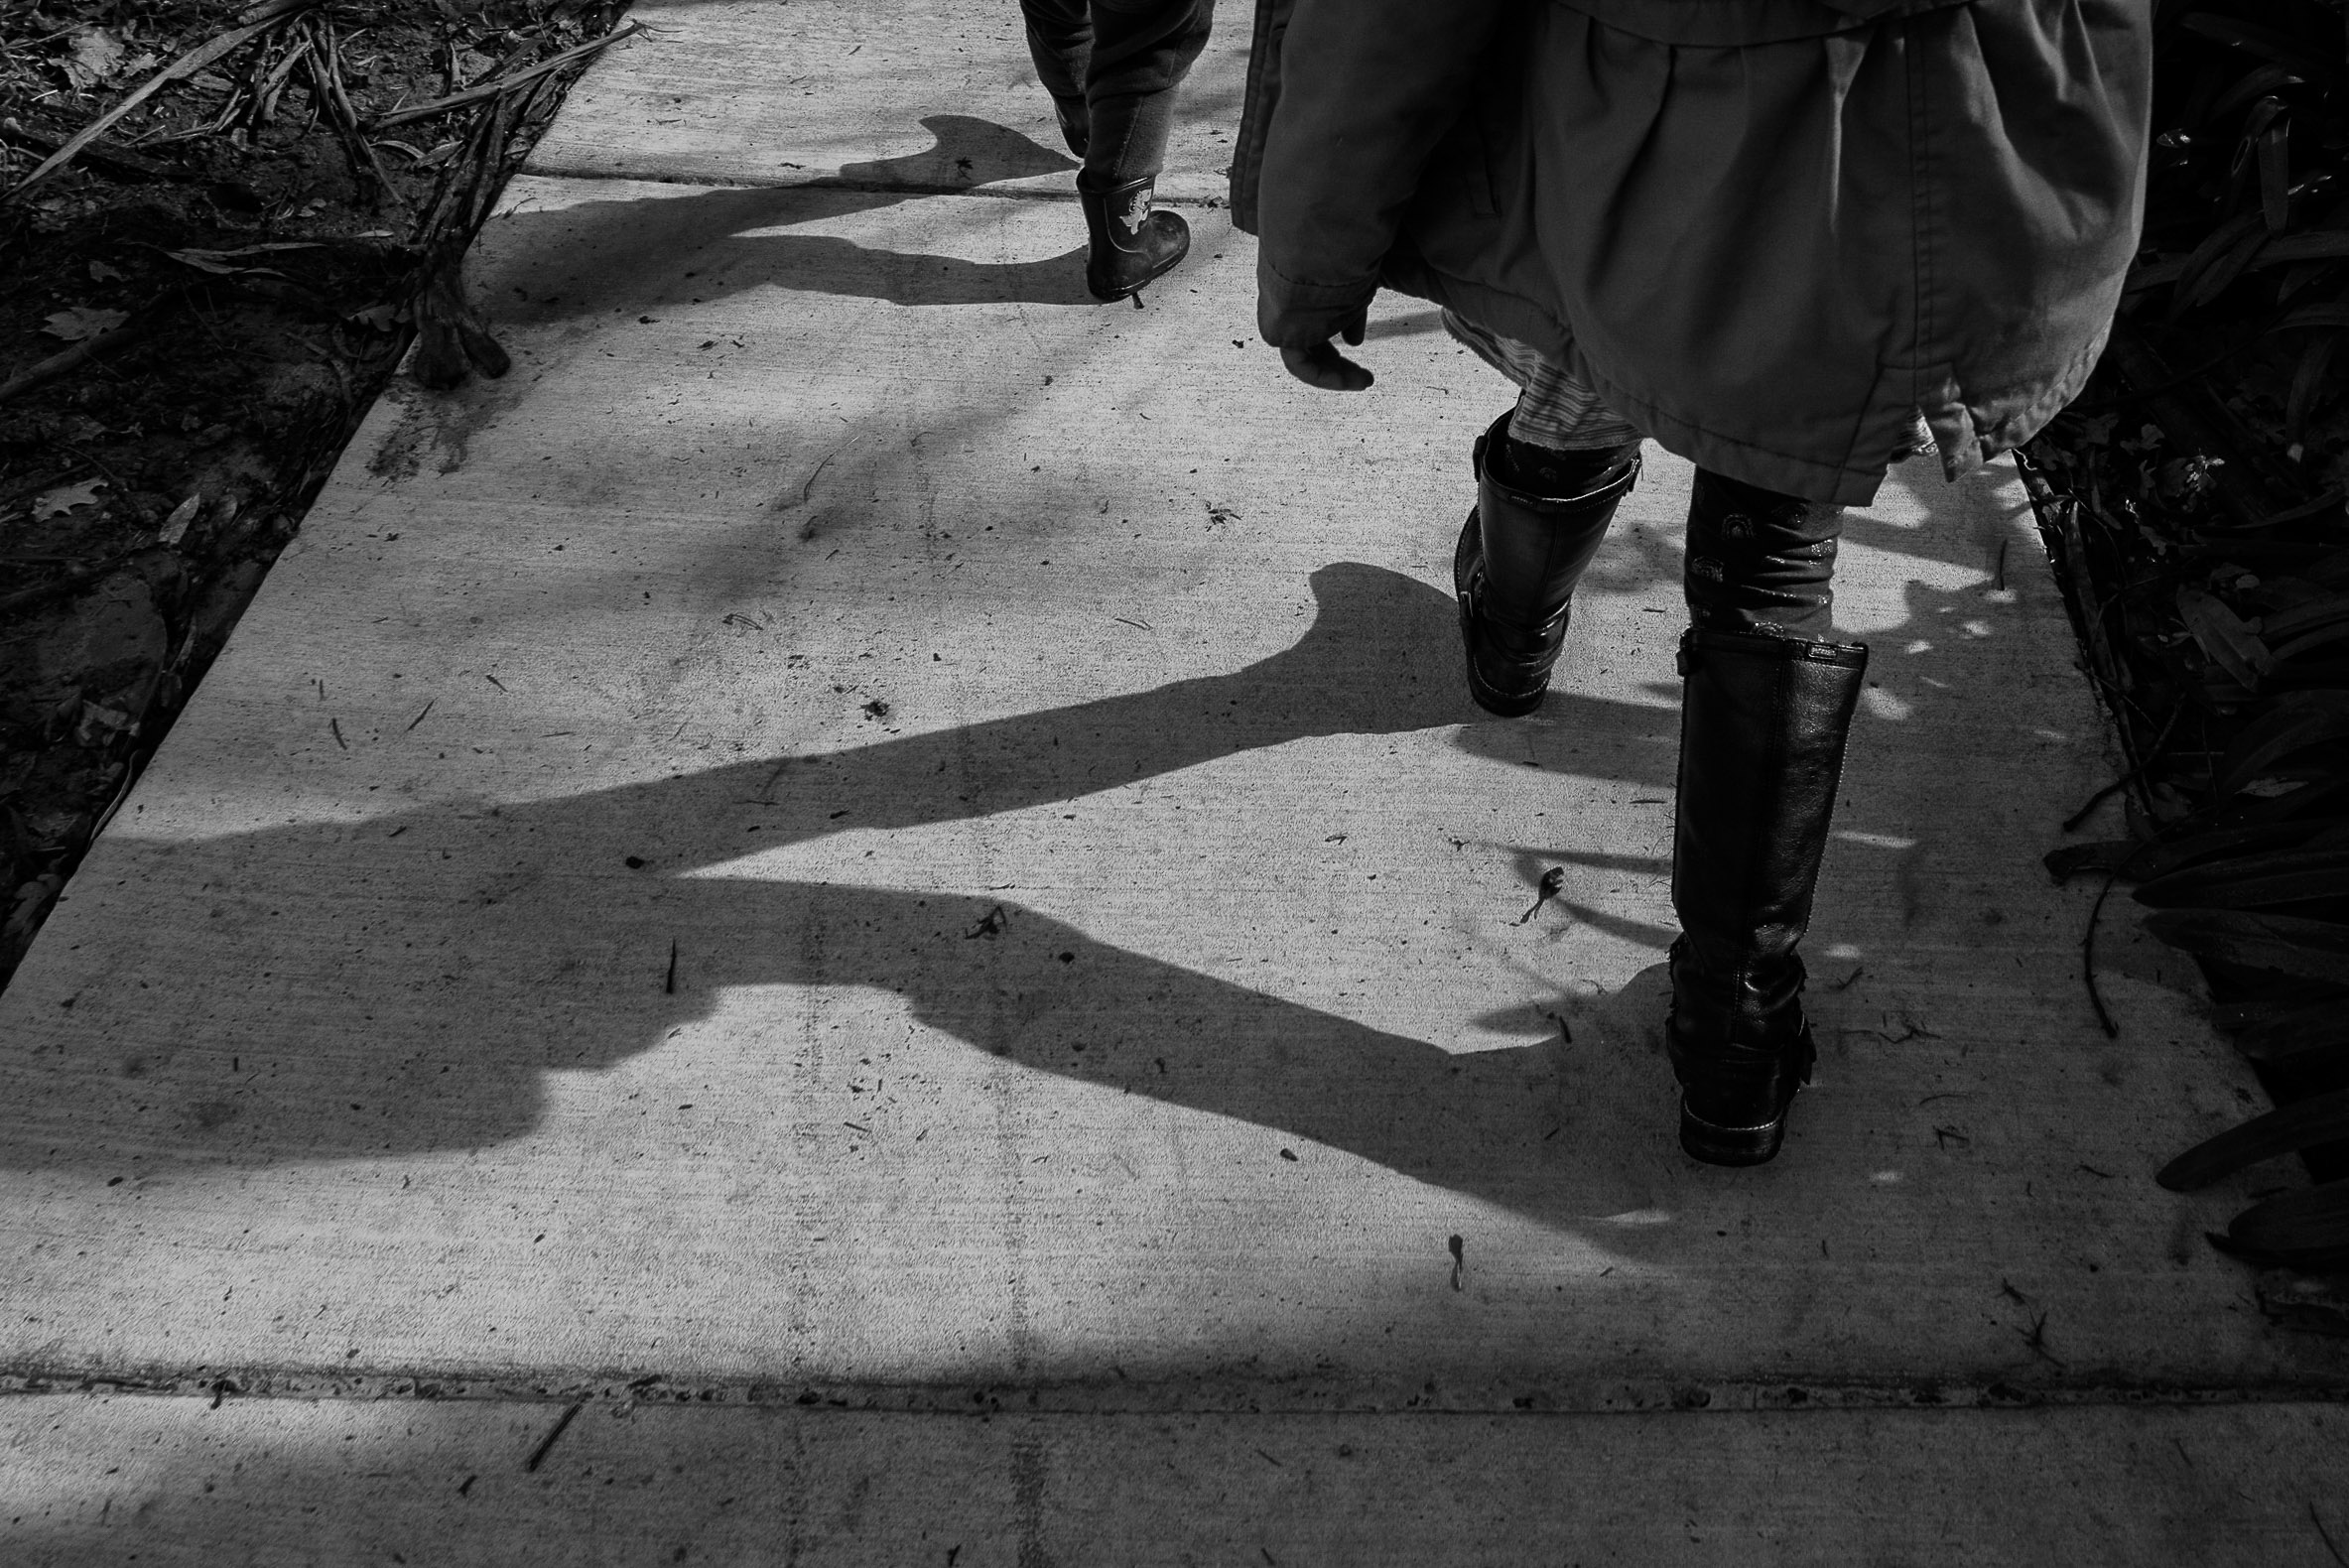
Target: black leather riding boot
{"points": [[1519, 557], [1762, 721], [1131, 244]]}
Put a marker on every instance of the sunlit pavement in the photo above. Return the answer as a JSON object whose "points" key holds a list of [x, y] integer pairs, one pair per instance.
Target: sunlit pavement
{"points": [[880, 880]]}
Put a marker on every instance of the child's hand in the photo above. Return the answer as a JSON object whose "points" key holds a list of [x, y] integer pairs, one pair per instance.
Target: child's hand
{"points": [[1323, 366]]}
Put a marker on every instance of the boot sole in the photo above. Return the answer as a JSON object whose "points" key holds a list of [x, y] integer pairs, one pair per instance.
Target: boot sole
{"points": [[1114, 293], [1713, 1145], [1130, 290], [1466, 560]]}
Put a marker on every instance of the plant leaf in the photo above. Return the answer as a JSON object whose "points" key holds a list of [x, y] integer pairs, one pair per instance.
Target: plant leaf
{"points": [[2288, 944], [2276, 174], [2244, 230], [2265, 42], [2301, 619], [2308, 380], [2333, 315], [2075, 858], [2254, 881], [2293, 724], [2281, 1034], [2317, 246], [2232, 646], [2258, 838], [2311, 642], [2307, 1229], [2256, 84], [2320, 1118]]}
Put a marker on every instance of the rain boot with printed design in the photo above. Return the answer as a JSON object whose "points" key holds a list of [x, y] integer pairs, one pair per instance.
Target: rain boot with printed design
{"points": [[1133, 243]]}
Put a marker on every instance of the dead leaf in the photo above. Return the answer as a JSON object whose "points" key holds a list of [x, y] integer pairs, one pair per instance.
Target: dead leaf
{"points": [[82, 322], [175, 526], [30, 900], [272, 248], [65, 497], [219, 262], [99, 272], [93, 56], [98, 725], [204, 263]]}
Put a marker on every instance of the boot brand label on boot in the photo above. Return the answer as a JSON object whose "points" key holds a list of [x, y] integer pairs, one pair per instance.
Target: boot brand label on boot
{"points": [[1136, 214]]}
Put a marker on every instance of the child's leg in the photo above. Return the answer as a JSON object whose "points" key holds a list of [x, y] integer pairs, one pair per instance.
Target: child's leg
{"points": [[1141, 50], [1060, 41]]}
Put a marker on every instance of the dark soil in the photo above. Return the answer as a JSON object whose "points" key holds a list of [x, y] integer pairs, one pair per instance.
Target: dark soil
{"points": [[263, 257]]}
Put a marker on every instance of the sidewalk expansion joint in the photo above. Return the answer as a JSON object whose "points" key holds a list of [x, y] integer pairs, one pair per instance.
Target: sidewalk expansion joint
{"points": [[1198, 1397], [856, 187]]}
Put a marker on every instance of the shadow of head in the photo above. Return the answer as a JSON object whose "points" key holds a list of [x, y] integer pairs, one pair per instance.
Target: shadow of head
{"points": [[669, 250], [965, 152], [441, 1028]]}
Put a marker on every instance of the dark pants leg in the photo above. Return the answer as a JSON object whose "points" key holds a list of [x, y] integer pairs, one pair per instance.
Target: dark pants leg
{"points": [[1060, 41], [1759, 561], [1111, 67]]}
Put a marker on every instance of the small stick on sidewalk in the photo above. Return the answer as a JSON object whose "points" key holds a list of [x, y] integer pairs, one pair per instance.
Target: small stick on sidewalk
{"points": [[562, 1424]]}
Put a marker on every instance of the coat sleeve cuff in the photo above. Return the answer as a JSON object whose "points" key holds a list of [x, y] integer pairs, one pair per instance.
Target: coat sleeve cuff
{"points": [[1293, 314]]}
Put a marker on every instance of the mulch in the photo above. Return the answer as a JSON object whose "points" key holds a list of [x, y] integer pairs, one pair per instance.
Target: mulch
{"points": [[221, 230]]}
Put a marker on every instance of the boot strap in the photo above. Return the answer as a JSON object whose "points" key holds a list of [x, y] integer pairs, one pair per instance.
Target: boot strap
{"points": [[1761, 645]]}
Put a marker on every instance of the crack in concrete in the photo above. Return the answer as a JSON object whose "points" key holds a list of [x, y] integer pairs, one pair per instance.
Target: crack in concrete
{"points": [[856, 187], [1195, 1396]]}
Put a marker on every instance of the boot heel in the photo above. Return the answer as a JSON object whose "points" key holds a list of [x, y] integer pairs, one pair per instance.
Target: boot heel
{"points": [[1718, 1146]]}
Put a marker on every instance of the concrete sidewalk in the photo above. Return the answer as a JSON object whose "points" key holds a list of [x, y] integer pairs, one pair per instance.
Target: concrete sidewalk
{"points": [[865, 831]]}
